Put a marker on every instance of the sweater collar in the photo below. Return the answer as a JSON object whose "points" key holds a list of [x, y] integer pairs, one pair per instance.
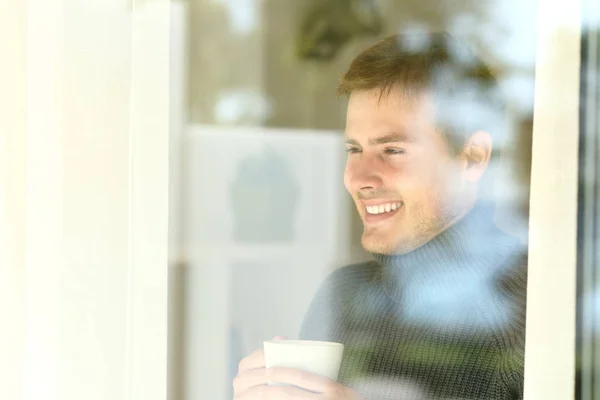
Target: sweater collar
{"points": [[473, 242]]}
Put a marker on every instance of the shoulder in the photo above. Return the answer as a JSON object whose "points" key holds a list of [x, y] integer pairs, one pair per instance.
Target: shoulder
{"points": [[324, 319], [513, 266], [354, 276], [344, 284], [361, 271]]}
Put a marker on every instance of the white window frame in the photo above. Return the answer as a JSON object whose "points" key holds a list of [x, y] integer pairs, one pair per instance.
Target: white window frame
{"points": [[551, 292], [84, 199]]}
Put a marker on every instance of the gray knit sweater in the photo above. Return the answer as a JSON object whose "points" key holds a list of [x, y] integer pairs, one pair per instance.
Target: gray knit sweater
{"points": [[445, 321]]}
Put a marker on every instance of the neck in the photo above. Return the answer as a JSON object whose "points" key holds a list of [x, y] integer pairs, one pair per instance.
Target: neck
{"points": [[465, 244], [461, 211], [467, 207]]}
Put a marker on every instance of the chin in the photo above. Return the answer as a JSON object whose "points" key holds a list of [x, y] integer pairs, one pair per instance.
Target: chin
{"points": [[383, 244], [373, 244]]}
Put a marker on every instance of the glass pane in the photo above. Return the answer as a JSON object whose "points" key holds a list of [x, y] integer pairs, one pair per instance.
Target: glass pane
{"points": [[392, 219]]}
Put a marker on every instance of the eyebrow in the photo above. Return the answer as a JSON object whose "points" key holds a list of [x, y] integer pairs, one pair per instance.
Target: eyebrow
{"points": [[391, 138]]}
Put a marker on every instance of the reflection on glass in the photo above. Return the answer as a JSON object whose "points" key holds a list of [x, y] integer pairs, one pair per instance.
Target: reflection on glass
{"points": [[428, 207], [331, 24]]}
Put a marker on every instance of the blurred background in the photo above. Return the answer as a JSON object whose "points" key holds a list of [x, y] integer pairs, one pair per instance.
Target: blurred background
{"points": [[258, 212]]}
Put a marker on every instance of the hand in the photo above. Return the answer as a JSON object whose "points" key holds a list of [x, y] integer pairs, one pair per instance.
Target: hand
{"points": [[251, 375], [251, 383], [306, 386]]}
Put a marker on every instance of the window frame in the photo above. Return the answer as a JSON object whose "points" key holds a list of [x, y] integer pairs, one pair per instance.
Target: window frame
{"points": [[551, 292]]}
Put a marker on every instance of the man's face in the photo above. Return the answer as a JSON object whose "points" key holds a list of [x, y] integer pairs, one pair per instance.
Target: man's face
{"points": [[400, 171]]}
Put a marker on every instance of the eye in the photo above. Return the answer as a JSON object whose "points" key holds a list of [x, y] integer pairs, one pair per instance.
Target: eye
{"points": [[352, 150], [394, 151]]}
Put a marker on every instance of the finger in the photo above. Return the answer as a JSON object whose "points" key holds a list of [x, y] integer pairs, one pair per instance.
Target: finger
{"points": [[303, 379], [249, 379], [256, 359], [277, 393], [253, 361]]}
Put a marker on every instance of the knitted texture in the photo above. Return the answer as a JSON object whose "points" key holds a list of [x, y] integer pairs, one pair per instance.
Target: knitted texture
{"points": [[445, 321]]}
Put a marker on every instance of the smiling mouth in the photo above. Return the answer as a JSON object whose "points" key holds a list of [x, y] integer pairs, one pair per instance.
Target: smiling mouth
{"points": [[383, 208], [378, 213]]}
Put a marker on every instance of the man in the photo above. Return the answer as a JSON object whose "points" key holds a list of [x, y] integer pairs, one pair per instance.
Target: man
{"points": [[440, 313]]}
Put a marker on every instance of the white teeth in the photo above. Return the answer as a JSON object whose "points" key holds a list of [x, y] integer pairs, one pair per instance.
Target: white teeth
{"points": [[382, 208]]}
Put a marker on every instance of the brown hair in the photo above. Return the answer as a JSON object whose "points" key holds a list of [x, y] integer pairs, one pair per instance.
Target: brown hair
{"points": [[464, 87]]}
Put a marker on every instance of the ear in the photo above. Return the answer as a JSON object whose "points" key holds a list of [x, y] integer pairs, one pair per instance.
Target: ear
{"points": [[476, 155]]}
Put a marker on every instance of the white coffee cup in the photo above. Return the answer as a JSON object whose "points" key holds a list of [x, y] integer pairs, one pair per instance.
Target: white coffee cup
{"points": [[321, 358]]}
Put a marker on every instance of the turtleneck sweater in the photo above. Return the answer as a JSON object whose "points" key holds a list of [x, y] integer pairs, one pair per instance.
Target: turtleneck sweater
{"points": [[444, 321]]}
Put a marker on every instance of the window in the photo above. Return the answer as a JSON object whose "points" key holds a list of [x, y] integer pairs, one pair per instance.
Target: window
{"points": [[259, 214]]}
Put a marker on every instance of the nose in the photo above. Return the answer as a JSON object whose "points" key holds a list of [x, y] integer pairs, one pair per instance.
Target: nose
{"points": [[362, 174]]}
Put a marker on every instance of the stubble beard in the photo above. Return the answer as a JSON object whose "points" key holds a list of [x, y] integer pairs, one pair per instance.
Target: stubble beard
{"points": [[424, 227]]}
